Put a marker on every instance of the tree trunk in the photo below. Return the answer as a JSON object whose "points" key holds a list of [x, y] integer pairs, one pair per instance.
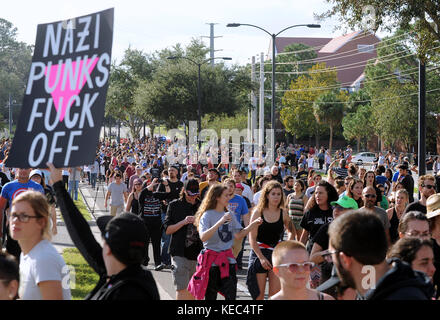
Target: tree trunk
{"points": [[358, 144], [330, 143], [317, 138], [437, 138]]}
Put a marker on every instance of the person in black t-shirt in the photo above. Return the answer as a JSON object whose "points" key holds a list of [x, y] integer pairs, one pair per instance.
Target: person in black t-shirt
{"points": [[175, 190], [185, 242], [406, 180], [426, 188], [320, 214], [321, 238]]}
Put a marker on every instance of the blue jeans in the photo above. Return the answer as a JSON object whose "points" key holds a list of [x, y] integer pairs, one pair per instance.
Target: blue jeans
{"points": [[73, 189], [165, 244], [93, 177]]}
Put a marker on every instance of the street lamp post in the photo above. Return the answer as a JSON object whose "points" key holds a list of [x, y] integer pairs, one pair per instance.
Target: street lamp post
{"points": [[199, 90], [273, 36]]}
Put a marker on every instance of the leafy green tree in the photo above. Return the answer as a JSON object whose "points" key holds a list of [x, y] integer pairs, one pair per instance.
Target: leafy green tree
{"points": [[358, 125], [328, 109], [297, 112], [15, 61], [422, 17], [171, 95]]}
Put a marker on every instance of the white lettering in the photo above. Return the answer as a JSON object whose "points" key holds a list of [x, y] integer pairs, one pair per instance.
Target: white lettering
{"points": [[101, 81], [68, 71], [83, 34], [54, 42], [68, 41], [47, 125], [85, 111], [53, 148], [34, 113], [47, 87], [70, 146], [97, 26], [33, 76], [31, 159], [71, 123]]}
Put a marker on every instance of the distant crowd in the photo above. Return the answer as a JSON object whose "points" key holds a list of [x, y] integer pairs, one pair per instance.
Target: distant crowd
{"points": [[314, 221]]}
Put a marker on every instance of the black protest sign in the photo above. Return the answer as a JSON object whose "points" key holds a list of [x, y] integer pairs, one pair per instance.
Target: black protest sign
{"points": [[64, 101]]}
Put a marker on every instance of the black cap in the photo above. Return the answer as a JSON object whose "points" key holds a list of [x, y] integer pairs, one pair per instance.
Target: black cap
{"points": [[331, 282], [126, 235], [403, 166], [192, 187]]}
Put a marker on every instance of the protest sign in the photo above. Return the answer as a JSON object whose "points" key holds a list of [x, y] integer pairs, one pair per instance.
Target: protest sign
{"points": [[64, 101]]}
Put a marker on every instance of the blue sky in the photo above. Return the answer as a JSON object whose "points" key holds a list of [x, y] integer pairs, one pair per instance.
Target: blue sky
{"points": [[155, 25]]}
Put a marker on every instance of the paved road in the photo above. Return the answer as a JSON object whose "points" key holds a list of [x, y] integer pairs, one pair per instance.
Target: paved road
{"points": [[95, 201]]}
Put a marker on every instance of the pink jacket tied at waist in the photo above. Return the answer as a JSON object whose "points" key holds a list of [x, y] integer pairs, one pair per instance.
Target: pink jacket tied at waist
{"points": [[199, 281]]}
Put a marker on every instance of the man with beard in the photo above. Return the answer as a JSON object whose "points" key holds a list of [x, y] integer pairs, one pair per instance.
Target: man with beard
{"points": [[359, 258], [426, 188], [369, 197]]}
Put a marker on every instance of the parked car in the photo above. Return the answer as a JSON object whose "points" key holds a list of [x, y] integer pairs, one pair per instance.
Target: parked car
{"points": [[363, 157]]}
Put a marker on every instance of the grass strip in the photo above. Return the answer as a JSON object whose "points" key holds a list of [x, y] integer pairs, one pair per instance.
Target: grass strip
{"points": [[85, 278]]}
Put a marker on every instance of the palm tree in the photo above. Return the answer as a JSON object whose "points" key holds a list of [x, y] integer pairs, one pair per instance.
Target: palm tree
{"points": [[329, 110]]}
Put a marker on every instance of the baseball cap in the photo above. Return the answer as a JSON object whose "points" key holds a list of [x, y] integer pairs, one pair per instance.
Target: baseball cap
{"points": [[138, 168], [433, 206], [192, 187], [346, 202], [126, 235], [403, 166], [239, 186], [34, 172], [215, 170]]}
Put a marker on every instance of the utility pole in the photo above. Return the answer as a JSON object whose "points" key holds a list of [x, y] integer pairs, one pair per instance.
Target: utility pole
{"points": [[422, 119], [253, 102], [211, 42], [261, 116], [10, 115]]}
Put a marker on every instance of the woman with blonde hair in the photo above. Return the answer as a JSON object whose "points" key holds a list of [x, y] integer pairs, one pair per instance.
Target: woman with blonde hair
{"points": [[395, 213], [216, 265], [270, 209], [42, 268]]}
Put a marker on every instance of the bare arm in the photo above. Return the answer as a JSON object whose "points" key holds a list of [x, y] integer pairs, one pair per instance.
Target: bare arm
{"points": [[176, 227], [314, 254], [51, 290], [290, 227], [53, 215], [304, 236], [128, 205]]}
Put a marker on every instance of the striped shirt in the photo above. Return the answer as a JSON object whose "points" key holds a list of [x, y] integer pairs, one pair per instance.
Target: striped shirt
{"points": [[296, 208]]}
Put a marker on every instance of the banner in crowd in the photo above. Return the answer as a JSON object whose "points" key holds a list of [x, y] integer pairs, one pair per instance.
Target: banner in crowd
{"points": [[64, 101]]}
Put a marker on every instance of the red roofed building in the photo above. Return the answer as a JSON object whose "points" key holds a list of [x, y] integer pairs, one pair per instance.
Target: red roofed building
{"points": [[348, 53]]}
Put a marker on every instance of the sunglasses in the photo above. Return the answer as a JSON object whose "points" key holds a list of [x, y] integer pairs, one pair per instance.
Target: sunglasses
{"points": [[295, 267], [370, 196], [22, 217], [428, 186], [417, 234]]}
